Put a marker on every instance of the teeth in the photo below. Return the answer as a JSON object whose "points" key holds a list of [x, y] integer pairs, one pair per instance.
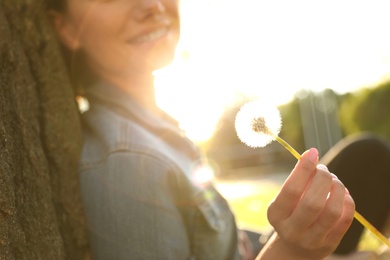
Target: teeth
{"points": [[151, 36]]}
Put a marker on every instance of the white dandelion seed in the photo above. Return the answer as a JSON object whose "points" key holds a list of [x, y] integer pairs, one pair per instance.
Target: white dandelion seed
{"points": [[257, 125]]}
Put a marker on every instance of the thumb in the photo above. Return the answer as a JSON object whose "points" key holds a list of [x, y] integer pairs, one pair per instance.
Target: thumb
{"points": [[304, 169], [294, 186]]}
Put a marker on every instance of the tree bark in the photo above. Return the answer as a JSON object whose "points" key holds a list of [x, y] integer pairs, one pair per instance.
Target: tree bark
{"points": [[41, 215]]}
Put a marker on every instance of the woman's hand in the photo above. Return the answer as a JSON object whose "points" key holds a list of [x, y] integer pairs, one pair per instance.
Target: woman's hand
{"points": [[311, 213]]}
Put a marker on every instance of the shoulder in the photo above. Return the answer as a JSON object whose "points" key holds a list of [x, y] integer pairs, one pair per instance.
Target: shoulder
{"points": [[109, 136], [109, 133]]}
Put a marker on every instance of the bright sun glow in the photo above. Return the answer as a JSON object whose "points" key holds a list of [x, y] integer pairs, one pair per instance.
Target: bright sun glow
{"points": [[270, 49]]}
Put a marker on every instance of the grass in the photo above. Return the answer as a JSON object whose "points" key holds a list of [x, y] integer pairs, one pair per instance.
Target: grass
{"points": [[249, 200], [251, 210]]}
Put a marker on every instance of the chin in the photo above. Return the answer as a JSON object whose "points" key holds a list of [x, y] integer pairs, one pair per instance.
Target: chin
{"points": [[165, 54], [163, 60], [164, 63]]}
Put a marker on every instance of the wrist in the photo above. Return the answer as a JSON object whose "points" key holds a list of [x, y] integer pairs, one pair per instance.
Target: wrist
{"points": [[276, 248]]}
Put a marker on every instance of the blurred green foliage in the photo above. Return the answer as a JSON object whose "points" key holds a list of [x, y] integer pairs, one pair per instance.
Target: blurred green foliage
{"points": [[367, 110]]}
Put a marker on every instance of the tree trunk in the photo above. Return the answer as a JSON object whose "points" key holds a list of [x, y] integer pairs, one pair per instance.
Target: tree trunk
{"points": [[41, 215]]}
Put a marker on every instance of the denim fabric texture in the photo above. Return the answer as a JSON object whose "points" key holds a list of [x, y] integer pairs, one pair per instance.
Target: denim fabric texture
{"points": [[137, 183]]}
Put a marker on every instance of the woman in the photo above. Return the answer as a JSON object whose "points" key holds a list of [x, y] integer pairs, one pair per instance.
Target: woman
{"points": [[137, 168]]}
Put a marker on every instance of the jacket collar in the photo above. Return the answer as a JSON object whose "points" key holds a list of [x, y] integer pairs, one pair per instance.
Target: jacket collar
{"points": [[123, 103], [162, 124]]}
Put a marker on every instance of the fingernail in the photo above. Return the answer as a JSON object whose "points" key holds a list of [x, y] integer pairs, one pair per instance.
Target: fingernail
{"points": [[313, 155], [322, 167]]}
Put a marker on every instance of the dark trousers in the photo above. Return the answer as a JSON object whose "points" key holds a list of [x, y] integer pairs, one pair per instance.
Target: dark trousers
{"points": [[362, 163]]}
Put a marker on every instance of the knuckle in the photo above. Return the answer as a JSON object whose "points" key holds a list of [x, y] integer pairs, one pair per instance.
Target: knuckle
{"points": [[308, 166], [271, 216], [333, 214], [324, 175], [291, 235], [347, 220], [311, 206], [328, 221], [292, 192]]}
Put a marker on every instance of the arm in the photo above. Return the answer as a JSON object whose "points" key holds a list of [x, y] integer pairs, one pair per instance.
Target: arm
{"points": [[310, 214], [131, 211]]}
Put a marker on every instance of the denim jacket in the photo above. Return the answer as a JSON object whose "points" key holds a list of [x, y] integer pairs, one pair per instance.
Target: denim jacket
{"points": [[138, 190]]}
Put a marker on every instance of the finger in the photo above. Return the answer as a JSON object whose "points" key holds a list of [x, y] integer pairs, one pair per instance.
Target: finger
{"points": [[332, 212], [345, 220], [314, 199], [294, 187]]}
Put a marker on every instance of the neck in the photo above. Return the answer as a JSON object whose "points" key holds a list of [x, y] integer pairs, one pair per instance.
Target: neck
{"points": [[140, 87]]}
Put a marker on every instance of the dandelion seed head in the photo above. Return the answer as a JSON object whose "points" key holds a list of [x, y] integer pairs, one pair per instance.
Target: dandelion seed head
{"points": [[257, 125]]}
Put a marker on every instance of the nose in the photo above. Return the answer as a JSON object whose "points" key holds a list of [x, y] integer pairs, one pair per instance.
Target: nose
{"points": [[149, 8]]}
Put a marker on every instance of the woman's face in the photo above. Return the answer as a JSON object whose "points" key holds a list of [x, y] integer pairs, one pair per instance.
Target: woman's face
{"points": [[121, 37]]}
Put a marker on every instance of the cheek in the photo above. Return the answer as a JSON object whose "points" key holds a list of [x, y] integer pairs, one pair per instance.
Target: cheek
{"points": [[175, 4], [97, 35], [172, 7], [97, 23]]}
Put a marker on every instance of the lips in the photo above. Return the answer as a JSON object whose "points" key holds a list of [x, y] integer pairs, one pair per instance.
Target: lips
{"points": [[150, 37]]}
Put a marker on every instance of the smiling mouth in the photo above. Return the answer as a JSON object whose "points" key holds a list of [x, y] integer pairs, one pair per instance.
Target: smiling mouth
{"points": [[155, 35]]}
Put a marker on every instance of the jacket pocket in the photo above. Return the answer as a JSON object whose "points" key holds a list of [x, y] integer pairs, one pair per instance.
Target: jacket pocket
{"points": [[214, 233], [214, 209]]}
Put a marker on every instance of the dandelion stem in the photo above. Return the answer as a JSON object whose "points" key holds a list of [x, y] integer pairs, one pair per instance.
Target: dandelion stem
{"points": [[357, 215], [371, 228], [288, 147]]}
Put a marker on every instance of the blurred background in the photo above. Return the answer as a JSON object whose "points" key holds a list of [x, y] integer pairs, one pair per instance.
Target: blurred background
{"points": [[271, 50], [324, 64]]}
